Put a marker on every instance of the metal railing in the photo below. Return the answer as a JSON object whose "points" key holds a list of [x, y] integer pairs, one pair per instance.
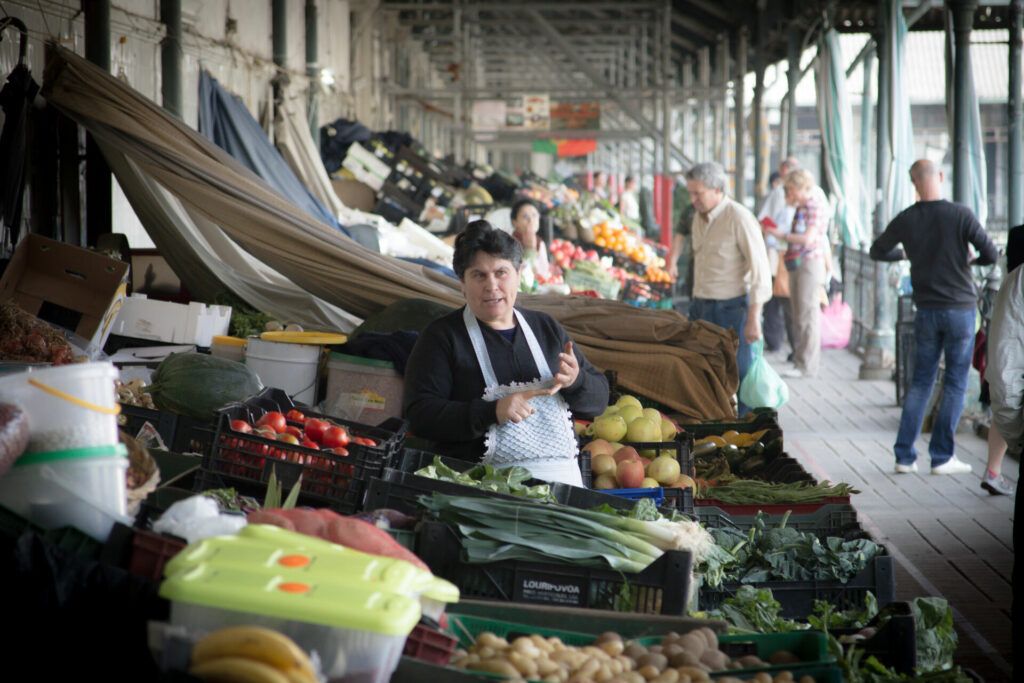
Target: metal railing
{"points": [[859, 293]]}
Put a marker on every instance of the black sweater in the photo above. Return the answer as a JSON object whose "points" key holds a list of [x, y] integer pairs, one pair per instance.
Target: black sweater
{"points": [[444, 385], [935, 236]]}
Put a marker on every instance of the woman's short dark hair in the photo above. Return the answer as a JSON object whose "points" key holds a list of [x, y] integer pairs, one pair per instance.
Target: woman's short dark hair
{"points": [[481, 236], [517, 207]]}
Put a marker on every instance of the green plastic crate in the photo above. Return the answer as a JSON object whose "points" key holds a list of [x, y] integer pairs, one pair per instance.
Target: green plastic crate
{"points": [[405, 537]]}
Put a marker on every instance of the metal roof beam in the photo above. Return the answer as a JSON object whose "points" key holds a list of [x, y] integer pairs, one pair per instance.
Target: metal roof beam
{"points": [[525, 6], [716, 10]]}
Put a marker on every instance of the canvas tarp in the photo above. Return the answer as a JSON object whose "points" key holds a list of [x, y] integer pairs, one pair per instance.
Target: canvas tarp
{"points": [[695, 374]]}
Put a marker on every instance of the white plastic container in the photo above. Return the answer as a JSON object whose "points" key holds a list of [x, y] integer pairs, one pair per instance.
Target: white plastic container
{"points": [[194, 323], [228, 348], [69, 406], [362, 390], [87, 493], [291, 367]]}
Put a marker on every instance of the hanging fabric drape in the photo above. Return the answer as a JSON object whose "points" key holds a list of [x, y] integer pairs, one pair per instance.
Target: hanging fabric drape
{"points": [[225, 120], [835, 117], [899, 190], [295, 142]]}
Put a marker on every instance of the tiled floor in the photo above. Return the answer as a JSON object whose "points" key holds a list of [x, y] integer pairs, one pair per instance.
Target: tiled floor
{"points": [[949, 536]]}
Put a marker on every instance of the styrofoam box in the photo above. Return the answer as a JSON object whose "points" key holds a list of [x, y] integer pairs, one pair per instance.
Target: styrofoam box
{"points": [[366, 167], [195, 323]]}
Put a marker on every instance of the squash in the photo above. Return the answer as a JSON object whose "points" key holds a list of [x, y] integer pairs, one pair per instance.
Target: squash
{"points": [[198, 384]]}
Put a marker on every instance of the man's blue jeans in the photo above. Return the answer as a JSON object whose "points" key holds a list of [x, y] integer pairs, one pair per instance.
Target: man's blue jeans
{"points": [[937, 331], [732, 315]]}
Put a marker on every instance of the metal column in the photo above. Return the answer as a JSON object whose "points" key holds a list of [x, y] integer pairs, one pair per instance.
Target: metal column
{"points": [[666, 226], [98, 211], [707, 144], [867, 109], [880, 338], [760, 184], [740, 114], [793, 76], [963, 21], [723, 68], [279, 33], [170, 56], [312, 71], [1015, 209]]}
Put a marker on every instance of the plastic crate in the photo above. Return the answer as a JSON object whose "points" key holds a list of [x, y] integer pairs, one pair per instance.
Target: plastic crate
{"points": [[430, 645], [797, 597], [245, 462], [143, 553], [181, 433], [657, 495], [836, 517], [662, 588], [680, 448], [405, 537], [399, 490], [895, 642]]}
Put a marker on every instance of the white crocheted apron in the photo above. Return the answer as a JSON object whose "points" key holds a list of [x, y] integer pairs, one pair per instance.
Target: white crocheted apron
{"points": [[544, 442]]}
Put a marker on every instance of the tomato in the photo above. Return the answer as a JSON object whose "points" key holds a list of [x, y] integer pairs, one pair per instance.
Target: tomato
{"points": [[306, 443], [266, 432], [294, 431], [288, 438], [315, 429], [274, 420], [295, 416], [241, 426], [335, 437], [363, 441]]}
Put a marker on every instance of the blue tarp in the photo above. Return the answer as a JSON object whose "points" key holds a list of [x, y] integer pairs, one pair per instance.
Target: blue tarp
{"points": [[224, 119]]}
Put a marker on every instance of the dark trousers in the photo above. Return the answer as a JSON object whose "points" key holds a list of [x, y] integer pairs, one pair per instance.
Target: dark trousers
{"points": [[778, 323]]}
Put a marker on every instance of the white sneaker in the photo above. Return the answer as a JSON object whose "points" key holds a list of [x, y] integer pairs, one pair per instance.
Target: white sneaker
{"points": [[906, 469], [793, 373], [952, 466]]}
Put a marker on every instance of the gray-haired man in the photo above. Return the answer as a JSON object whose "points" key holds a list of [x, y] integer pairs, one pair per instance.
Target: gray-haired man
{"points": [[732, 279]]}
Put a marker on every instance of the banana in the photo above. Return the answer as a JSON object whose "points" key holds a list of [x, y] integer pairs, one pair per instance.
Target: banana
{"points": [[237, 670], [260, 644]]}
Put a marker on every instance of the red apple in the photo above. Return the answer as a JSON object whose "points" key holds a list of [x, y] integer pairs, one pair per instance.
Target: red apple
{"points": [[630, 473], [626, 453]]}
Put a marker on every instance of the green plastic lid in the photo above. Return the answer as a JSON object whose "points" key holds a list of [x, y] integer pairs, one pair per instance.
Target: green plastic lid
{"points": [[301, 599], [72, 454]]}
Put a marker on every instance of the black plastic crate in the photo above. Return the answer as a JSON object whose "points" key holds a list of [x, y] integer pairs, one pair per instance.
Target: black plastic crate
{"points": [[245, 462], [398, 489], [797, 597], [824, 520], [894, 643], [181, 433], [680, 448], [662, 588]]}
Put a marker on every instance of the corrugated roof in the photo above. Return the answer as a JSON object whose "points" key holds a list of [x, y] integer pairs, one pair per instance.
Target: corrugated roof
{"points": [[924, 69]]}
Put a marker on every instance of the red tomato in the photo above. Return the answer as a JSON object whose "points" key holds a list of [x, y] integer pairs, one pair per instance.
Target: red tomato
{"points": [[335, 437], [315, 429], [363, 441], [241, 426], [266, 432], [294, 431], [295, 416], [306, 443], [274, 420]]}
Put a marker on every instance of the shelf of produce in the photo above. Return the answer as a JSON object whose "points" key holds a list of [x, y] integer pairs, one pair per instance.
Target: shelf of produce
{"points": [[662, 588], [797, 597]]}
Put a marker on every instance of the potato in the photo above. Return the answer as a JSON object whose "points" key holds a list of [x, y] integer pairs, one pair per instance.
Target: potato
{"points": [[694, 643], [633, 677], [649, 672], [762, 677], [807, 679], [696, 675], [783, 657], [655, 649], [546, 667], [683, 678], [523, 663], [589, 668], [683, 658], [612, 647], [488, 639], [604, 673], [628, 664], [714, 659], [667, 676], [634, 651], [784, 677], [750, 661], [608, 635], [658, 661], [710, 636], [495, 666]]}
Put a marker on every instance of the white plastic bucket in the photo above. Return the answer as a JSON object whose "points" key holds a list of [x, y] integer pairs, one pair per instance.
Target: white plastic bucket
{"points": [[87, 493], [68, 406], [290, 367]]}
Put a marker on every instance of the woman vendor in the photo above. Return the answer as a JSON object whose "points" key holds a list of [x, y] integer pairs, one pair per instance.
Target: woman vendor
{"points": [[494, 382], [525, 228]]}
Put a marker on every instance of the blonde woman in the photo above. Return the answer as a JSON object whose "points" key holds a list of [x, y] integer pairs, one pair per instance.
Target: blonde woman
{"points": [[805, 261]]}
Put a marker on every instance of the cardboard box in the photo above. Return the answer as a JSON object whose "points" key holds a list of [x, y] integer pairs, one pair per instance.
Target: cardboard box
{"points": [[355, 194], [68, 286], [195, 323]]}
